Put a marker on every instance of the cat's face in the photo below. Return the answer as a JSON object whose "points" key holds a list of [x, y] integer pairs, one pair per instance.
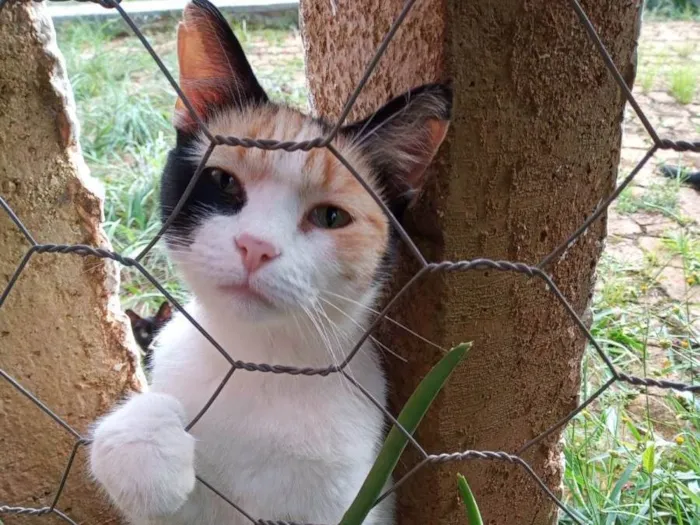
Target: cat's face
{"points": [[146, 328], [271, 232]]}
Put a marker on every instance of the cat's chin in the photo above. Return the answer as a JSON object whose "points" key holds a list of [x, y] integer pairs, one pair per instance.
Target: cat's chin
{"points": [[242, 303]]}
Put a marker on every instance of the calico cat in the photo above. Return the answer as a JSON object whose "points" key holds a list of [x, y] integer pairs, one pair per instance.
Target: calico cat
{"points": [[285, 254], [145, 329]]}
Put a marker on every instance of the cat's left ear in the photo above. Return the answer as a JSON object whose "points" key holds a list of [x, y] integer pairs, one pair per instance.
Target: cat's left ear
{"points": [[214, 71], [133, 316], [402, 138]]}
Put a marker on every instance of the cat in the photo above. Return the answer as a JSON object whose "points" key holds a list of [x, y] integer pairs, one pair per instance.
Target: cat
{"points": [[691, 178], [145, 329], [285, 254]]}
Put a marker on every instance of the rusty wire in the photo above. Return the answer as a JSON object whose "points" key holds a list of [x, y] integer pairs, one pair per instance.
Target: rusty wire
{"points": [[537, 271]]}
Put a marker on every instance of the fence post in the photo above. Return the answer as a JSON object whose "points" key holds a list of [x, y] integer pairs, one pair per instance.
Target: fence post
{"points": [[62, 335], [534, 148]]}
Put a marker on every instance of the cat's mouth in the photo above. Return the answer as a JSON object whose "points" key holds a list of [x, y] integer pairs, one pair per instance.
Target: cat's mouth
{"points": [[245, 292]]}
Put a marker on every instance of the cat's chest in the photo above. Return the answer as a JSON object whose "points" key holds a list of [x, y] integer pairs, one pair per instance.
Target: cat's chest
{"points": [[265, 406], [264, 413], [263, 430], [279, 412]]}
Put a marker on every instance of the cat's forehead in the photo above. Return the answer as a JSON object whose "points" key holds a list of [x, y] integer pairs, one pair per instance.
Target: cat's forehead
{"points": [[317, 168]]}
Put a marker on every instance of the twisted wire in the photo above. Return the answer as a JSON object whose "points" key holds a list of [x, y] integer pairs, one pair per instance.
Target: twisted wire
{"points": [[527, 270]]}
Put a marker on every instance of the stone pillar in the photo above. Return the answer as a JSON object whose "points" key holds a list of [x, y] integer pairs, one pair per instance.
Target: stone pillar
{"points": [[62, 333], [534, 146]]}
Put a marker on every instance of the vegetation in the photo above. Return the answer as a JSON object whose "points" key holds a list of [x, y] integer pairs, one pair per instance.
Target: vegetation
{"points": [[673, 9], [684, 83]]}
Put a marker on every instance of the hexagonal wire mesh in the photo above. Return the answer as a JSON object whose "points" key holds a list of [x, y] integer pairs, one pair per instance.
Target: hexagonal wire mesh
{"points": [[426, 267]]}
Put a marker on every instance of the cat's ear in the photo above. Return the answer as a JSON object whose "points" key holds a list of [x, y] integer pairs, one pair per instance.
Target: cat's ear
{"points": [[214, 70], [133, 316], [402, 137], [164, 312]]}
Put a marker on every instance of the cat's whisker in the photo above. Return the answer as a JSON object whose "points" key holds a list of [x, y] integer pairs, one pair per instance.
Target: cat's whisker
{"points": [[321, 335], [324, 321], [315, 323], [335, 329], [396, 323], [343, 381], [348, 340], [302, 333], [374, 339]]}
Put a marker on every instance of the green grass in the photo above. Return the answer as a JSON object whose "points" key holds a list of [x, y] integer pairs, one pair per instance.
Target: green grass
{"points": [[660, 197], [683, 83], [606, 480], [647, 76], [125, 107], [685, 50], [672, 9]]}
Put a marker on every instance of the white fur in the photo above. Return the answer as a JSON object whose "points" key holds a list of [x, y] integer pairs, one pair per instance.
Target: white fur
{"points": [[282, 447]]}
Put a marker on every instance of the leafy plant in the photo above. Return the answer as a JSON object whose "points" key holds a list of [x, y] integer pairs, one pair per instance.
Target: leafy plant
{"points": [[472, 509], [409, 418]]}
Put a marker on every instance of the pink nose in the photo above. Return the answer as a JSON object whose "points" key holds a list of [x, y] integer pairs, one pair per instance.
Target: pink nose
{"points": [[255, 252]]}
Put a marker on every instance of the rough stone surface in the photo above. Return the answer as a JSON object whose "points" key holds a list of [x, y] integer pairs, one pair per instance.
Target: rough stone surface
{"points": [[534, 147], [651, 244], [622, 226], [689, 203], [626, 251], [653, 224], [672, 281], [62, 335]]}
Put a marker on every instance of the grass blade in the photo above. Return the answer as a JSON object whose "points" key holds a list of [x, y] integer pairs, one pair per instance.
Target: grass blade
{"points": [[410, 417], [649, 459], [473, 514]]}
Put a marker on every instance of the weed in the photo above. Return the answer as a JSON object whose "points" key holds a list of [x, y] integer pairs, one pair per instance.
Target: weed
{"points": [[632, 458], [673, 9], [659, 197], [686, 50], [646, 77], [683, 81]]}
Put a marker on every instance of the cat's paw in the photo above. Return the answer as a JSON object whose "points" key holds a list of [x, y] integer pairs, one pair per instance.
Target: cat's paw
{"points": [[143, 457]]}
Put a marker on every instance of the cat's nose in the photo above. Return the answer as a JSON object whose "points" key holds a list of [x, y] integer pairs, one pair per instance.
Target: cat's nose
{"points": [[255, 252]]}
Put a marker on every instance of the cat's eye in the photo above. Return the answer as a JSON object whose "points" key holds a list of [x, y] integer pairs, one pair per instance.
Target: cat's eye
{"points": [[329, 217], [226, 182]]}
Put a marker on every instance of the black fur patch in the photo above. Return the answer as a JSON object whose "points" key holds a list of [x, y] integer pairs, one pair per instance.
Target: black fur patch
{"points": [[206, 198]]}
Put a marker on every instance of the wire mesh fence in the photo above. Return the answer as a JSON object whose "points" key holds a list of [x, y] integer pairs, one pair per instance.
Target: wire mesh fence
{"points": [[533, 271]]}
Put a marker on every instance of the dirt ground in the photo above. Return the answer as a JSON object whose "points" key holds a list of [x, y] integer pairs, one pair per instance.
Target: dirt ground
{"points": [[638, 234]]}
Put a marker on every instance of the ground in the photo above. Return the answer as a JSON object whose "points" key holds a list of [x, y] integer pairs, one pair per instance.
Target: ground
{"points": [[633, 457], [647, 310]]}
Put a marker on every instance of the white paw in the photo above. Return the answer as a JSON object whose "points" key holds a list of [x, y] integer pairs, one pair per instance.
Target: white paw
{"points": [[143, 457]]}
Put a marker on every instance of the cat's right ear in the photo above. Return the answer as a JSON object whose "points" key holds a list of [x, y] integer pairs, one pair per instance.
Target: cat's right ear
{"points": [[164, 312], [214, 71], [133, 316], [402, 137]]}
